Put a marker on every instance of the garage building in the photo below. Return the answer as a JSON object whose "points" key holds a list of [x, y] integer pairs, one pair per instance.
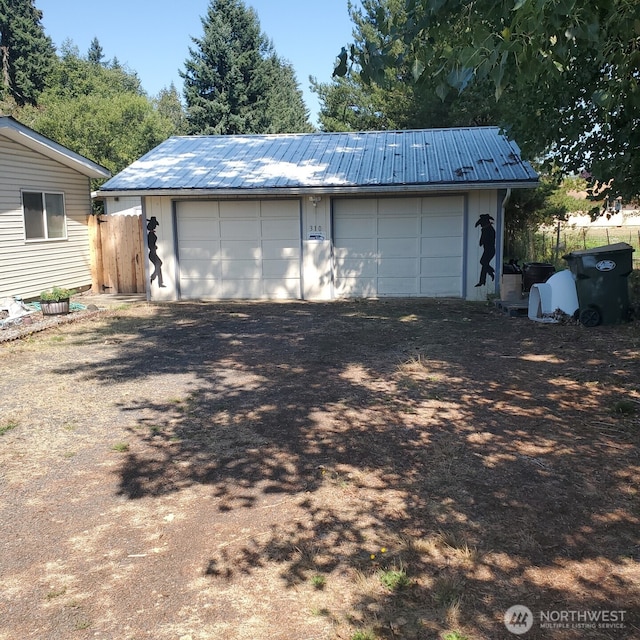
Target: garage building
{"points": [[325, 215]]}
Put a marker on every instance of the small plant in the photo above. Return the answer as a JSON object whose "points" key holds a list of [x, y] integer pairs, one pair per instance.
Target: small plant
{"points": [[56, 294], [120, 447], [454, 635], [318, 582], [82, 624], [457, 545], [395, 579], [624, 407], [447, 591], [56, 593], [418, 362], [365, 634], [8, 427]]}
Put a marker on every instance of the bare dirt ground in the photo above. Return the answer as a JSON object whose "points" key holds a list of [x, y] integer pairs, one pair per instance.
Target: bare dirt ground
{"points": [[267, 471]]}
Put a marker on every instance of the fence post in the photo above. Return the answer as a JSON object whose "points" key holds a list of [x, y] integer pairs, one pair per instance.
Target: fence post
{"points": [[95, 250]]}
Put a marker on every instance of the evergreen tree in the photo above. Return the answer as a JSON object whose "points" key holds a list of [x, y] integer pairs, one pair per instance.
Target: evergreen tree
{"points": [[170, 108], [95, 54], [285, 110], [229, 78], [26, 53]]}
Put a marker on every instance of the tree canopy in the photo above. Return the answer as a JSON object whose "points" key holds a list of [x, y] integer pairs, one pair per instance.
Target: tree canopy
{"points": [[568, 70], [233, 80], [100, 112], [393, 100], [26, 53]]}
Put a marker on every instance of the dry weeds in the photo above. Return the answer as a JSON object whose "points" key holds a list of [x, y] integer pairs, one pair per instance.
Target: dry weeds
{"points": [[197, 470]]}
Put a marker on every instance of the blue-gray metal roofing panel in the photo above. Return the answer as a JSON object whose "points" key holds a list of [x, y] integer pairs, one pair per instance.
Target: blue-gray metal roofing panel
{"points": [[385, 159]]}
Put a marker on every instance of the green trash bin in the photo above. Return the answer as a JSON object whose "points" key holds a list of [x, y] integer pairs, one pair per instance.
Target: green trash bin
{"points": [[602, 283]]}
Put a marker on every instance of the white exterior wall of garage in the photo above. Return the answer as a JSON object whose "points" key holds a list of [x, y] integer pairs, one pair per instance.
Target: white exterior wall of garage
{"points": [[322, 247]]}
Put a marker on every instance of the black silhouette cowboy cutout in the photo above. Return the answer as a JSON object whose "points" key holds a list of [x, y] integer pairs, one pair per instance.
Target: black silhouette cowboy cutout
{"points": [[488, 243], [152, 241]]}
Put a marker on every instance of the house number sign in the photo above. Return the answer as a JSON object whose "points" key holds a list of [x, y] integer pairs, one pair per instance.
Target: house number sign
{"points": [[316, 233]]}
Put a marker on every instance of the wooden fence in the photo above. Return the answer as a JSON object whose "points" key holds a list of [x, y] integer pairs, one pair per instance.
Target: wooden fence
{"points": [[117, 254]]}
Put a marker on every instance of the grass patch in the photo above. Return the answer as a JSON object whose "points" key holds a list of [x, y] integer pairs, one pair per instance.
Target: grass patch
{"points": [[120, 447], [624, 408], [447, 591], [415, 364], [8, 426], [318, 582], [457, 545], [82, 624], [454, 635], [394, 579], [56, 593], [364, 634]]}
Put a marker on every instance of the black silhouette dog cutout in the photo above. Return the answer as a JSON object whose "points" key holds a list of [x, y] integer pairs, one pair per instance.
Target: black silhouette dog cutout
{"points": [[152, 241], [488, 243]]}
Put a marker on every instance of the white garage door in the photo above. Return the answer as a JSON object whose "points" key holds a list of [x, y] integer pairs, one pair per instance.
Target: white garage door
{"points": [[239, 249], [399, 246]]}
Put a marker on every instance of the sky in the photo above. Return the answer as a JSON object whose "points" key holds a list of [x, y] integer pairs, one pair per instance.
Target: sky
{"points": [[152, 37]]}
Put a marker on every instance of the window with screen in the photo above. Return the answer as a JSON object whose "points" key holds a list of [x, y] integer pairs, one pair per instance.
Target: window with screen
{"points": [[44, 216]]}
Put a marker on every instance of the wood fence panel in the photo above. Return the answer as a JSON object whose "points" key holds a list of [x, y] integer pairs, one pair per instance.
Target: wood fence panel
{"points": [[96, 254], [125, 253], [117, 250], [109, 257], [139, 260]]}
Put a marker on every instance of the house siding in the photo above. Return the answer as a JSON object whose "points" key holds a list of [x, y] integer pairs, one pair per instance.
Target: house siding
{"points": [[26, 268]]}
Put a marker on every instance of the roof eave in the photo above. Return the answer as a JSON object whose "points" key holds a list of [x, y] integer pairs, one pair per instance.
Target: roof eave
{"points": [[323, 190], [14, 130]]}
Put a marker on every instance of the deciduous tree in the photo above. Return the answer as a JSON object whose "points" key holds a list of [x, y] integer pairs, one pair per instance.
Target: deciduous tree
{"points": [[570, 68], [392, 99], [99, 112]]}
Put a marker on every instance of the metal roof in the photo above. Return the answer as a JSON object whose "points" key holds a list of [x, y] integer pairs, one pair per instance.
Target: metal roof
{"points": [[16, 131], [419, 160]]}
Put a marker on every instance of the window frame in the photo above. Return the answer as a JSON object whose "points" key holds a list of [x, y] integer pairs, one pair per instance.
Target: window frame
{"points": [[45, 221]]}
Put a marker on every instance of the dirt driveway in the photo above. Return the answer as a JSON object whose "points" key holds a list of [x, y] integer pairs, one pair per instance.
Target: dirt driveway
{"points": [[352, 470]]}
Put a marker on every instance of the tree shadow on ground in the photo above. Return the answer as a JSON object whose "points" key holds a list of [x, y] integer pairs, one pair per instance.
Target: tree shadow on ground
{"points": [[492, 461]]}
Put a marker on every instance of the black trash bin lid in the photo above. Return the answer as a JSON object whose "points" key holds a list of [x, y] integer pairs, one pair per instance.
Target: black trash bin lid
{"points": [[609, 248]]}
